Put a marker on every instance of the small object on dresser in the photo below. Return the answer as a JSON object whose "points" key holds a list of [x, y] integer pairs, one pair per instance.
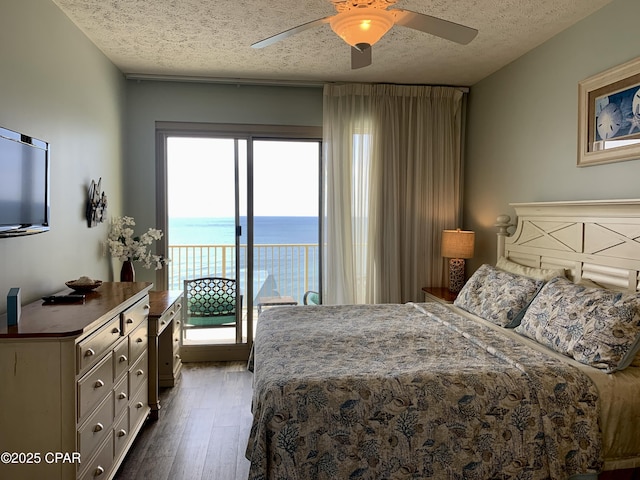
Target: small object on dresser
{"points": [[83, 284], [71, 298], [14, 306]]}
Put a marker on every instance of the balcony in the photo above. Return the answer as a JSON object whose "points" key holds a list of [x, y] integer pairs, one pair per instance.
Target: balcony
{"points": [[279, 270]]}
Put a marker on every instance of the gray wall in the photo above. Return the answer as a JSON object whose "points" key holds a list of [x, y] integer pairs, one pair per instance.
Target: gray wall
{"points": [[152, 101], [57, 86], [522, 127]]}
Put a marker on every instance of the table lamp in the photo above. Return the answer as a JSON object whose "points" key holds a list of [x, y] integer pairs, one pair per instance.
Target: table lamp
{"points": [[456, 246]]}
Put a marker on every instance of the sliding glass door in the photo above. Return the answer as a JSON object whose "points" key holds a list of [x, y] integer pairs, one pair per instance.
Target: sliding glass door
{"points": [[243, 208], [285, 222], [203, 217]]}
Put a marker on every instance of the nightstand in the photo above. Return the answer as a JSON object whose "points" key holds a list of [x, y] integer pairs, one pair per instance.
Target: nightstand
{"points": [[438, 294]]}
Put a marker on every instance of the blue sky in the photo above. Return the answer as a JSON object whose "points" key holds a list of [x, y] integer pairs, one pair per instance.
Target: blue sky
{"points": [[200, 177]]}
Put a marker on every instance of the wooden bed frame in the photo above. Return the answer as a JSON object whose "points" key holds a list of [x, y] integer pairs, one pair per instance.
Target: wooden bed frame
{"points": [[597, 240]]}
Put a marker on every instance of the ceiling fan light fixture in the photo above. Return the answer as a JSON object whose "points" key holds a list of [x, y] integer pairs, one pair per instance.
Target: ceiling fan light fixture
{"points": [[362, 25]]}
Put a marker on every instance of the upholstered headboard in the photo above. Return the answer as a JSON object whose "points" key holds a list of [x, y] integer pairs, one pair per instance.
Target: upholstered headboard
{"points": [[598, 240]]}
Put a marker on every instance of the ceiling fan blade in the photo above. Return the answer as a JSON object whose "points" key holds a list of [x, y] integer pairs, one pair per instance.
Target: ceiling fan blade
{"points": [[435, 26], [360, 56], [292, 31]]}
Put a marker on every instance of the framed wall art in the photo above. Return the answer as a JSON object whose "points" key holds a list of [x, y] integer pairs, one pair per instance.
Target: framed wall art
{"points": [[609, 115], [96, 209]]}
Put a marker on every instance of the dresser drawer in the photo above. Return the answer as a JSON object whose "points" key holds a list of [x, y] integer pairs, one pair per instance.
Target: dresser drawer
{"points": [[172, 313], [176, 350], [176, 311], [138, 374], [91, 348], [176, 347], [94, 386], [133, 316], [178, 321], [176, 329], [139, 408], [169, 346], [121, 395], [138, 341], [96, 428], [121, 434], [120, 359], [100, 465], [177, 306], [176, 337]]}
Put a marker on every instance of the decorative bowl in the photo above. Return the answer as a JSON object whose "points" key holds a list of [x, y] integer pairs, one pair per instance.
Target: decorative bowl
{"points": [[82, 286]]}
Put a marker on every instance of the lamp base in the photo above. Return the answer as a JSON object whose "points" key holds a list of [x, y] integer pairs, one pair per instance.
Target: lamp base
{"points": [[456, 274]]}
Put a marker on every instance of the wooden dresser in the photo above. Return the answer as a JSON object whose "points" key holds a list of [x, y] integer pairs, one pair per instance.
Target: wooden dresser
{"points": [[74, 384], [164, 343]]}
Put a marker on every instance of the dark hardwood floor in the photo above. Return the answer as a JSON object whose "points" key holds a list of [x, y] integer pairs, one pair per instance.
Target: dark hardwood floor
{"points": [[202, 429]]}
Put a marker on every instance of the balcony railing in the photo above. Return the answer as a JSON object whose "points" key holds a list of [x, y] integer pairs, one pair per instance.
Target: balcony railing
{"points": [[282, 269]]}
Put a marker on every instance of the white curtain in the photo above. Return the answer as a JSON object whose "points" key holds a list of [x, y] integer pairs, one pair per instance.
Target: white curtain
{"points": [[393, 175]]}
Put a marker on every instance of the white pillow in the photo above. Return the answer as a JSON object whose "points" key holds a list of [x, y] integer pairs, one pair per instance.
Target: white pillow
{"points": [[585, 282], [595, 326], [497, 296], [545, 274]]}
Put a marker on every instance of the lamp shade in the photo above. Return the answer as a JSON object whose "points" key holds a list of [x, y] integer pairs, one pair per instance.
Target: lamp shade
{"points": [[457, 243], [362, 25]]}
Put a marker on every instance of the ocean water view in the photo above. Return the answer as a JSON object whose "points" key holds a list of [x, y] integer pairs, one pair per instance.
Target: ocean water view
{"points": [[286, 257], [221, 231]]}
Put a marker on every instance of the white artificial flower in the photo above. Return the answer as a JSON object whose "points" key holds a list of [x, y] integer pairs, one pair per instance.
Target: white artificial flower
{"points": [[124, 245]]}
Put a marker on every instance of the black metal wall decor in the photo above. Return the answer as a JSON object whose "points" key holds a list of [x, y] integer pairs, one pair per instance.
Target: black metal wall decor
{"points": [[96, 204]]}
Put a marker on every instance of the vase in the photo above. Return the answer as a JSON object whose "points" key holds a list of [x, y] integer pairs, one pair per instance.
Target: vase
{"points": [[128, 273]]}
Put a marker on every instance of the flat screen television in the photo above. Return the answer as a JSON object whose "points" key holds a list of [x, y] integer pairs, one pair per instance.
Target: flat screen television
{"points": [[24, 184]]}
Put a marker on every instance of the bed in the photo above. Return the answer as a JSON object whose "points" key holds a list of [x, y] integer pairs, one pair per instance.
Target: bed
{"points": [[532, 373]]}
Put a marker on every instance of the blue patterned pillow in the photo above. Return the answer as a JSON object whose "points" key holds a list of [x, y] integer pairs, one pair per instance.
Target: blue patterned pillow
{"points": [[594, 326], [498, 296]]}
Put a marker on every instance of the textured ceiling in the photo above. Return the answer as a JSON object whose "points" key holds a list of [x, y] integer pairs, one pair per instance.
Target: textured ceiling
{"points": [[212, 38]]}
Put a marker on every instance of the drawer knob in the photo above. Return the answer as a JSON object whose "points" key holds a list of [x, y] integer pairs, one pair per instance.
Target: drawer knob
{"points": [[122, 433], [122, 358], [163, 322], [139, 340], [177, 356], [139, 405], [98, 428], [99, 471], [129, 320], [140, 372], [116, 330], [122, 396], [89, 353], [146, 306], [99, 384]]}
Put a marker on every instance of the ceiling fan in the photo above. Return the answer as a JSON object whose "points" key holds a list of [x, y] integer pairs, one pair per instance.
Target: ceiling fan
{"points": [[361, 23]]}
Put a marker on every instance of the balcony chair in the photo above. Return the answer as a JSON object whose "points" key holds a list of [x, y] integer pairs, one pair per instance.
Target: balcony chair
{"points": [[311, 298], [210, 302]]}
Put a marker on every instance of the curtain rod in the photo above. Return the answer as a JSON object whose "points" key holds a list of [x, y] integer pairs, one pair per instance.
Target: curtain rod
{"points": [[259, 82], [222, 80]]}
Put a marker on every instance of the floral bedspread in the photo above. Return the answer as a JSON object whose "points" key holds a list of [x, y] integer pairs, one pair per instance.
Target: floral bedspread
{"points": [[412, 391]]}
